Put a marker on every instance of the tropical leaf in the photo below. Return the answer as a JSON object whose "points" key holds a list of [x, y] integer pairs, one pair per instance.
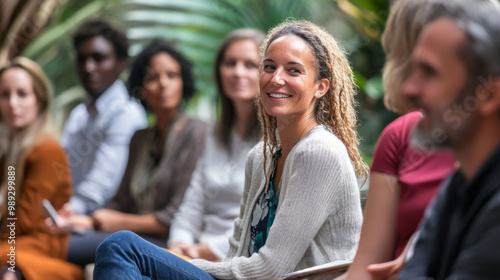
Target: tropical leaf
{"points": [[62, 30], [197, 27], [367, 16], [21, 22]]}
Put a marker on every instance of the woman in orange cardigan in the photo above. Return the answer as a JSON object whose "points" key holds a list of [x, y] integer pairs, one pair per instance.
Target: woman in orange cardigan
{"points": [[33, 167]]}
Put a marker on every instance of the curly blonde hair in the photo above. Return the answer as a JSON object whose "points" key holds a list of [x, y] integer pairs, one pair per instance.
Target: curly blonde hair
{"points": [[335, 109]]}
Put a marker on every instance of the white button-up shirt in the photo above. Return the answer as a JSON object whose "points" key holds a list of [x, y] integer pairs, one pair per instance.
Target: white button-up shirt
{"points": [[96, 138]]}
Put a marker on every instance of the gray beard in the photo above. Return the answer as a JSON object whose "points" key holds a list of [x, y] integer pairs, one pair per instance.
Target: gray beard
{"points": [[422, 141], [427, 141], [448, 131], [449, 137]]}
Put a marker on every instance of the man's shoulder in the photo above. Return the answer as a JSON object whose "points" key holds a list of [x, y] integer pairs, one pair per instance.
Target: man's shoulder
{"points": [[79, 110], [127, 112], [488, 216], [131, 104], [117, 99], [477, 257]]}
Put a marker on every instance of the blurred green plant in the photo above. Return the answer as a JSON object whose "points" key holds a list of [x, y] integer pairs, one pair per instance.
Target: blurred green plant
{"points": [[53, 50], [197, 27], [21, 21], [368, 18]]}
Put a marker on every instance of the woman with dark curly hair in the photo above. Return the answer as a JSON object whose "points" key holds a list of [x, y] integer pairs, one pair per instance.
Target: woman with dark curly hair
{"points": [[161, 158], [301, 203]]}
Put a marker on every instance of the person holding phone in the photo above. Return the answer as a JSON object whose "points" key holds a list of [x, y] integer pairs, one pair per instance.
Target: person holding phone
{"points": [[161, 158], [32, 158]]}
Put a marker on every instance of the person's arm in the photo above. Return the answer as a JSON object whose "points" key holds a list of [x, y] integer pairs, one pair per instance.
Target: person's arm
{"points": [[158, 223], [193, 143], [69, 221], [112, 221], [42, 181], [378, 238], [477, 258], [387, 270], [108, 166], [415, 267], [122, 200], [320, 183], [188, 221], [235, 237], [378, 233], [194, 251], [219, 245]]}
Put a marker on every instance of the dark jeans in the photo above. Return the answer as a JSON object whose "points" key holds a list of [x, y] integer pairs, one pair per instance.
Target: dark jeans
{"points": [[125, 255], [82, 247]]}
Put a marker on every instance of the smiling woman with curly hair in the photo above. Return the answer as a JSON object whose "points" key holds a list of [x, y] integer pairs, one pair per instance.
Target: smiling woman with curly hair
{"points": [[300, 204]]}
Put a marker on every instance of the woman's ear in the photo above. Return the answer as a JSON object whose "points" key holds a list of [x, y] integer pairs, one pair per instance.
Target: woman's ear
{"points": [[322, 88]]}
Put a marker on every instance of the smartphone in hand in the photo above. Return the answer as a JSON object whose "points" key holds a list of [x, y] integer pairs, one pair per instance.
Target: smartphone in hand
{"points": [[50, 212]]}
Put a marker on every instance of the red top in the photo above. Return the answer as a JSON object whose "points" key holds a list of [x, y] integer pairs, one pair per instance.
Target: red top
{"points": [[419, 173]]}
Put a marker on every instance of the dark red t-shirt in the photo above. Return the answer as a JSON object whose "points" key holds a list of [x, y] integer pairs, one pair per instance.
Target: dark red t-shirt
{"points": [[419, 173]]}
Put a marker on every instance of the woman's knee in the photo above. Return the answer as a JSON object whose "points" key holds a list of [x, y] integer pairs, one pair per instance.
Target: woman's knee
{"points": [[120, 240]]}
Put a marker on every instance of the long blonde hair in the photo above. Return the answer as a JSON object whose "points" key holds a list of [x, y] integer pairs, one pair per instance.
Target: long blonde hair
{"points": [[406, 20], [335, 109], [15, 146]]}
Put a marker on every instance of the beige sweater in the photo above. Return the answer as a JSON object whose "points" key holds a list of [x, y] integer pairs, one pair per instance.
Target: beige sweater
{"points": [[318, 218]]}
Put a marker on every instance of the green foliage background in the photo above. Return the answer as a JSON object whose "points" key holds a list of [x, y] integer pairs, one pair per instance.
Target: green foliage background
{"points": [[198, 26]]}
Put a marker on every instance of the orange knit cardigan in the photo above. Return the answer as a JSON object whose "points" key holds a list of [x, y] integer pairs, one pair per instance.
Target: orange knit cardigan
{"points": [[40, 254]]}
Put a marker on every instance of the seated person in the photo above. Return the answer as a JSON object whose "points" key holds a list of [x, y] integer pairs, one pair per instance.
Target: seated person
{"points": [[403, 180], [97, 133], [28, 153], [300, 204], [161, 159], [205, 220], [460, 43], [456, 76]]}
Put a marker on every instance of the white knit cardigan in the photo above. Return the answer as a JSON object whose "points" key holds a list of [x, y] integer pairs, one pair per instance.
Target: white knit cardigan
{"points": [[318, 219]]}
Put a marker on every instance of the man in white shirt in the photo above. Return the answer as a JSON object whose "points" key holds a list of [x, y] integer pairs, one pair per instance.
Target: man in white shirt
{"points": [[98, 131]]}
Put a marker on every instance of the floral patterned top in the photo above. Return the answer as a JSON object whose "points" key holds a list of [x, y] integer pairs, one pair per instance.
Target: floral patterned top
{"points": [[264, 212]]}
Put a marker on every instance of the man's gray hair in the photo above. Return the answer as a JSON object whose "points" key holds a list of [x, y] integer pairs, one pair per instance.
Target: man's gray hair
{"points": [[480, 20]]}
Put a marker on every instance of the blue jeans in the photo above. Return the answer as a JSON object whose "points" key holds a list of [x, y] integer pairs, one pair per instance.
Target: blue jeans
{"points": [[125, 255], [82, 247]]}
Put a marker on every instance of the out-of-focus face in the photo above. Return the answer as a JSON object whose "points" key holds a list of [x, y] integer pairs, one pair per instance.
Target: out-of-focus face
{"points": [[163, 83], [18, 102], [97, 65], [239, 70], [438, 86], [288, 85]]}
